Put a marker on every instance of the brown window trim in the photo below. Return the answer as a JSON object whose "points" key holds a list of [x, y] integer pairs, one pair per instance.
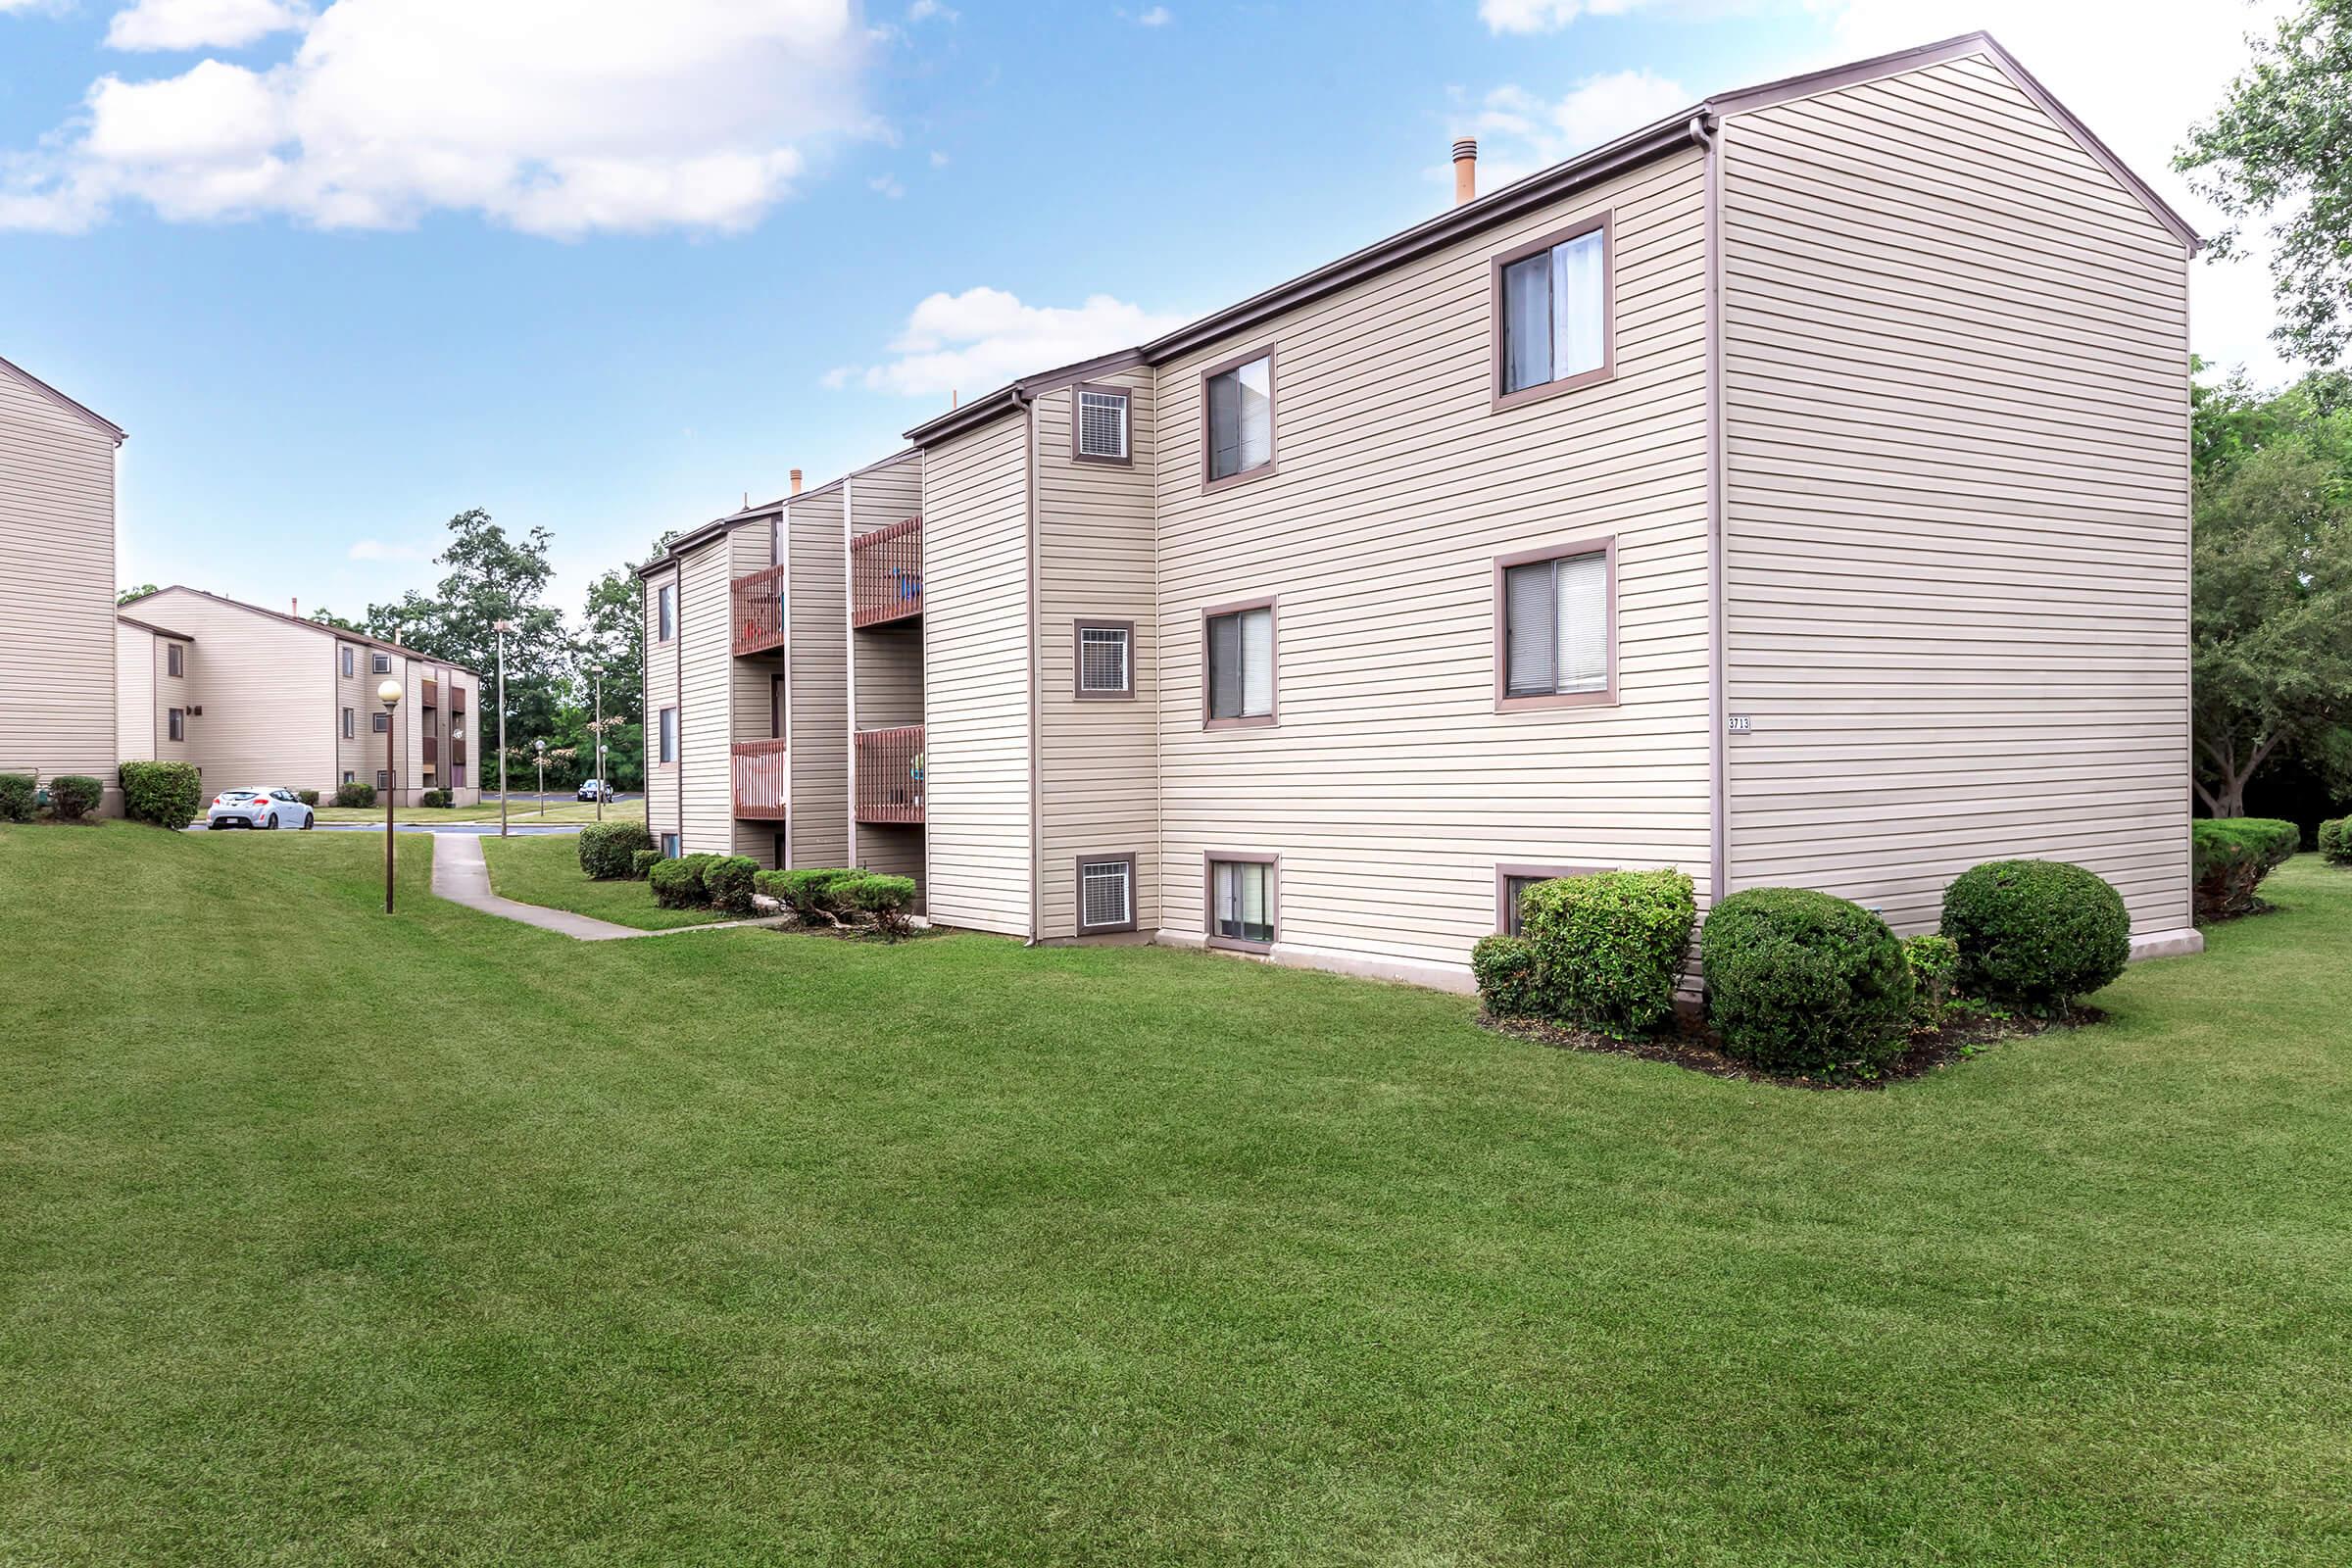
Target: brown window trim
{"points": [[1078, 884], [669, 590], [677, 736], [1209, 860], [379, 663], [1268, 353], [1604, 546], [175, 723], [1078, 389], [1504, 872], [1273, 713], [1499, 400], [1078, 632]]}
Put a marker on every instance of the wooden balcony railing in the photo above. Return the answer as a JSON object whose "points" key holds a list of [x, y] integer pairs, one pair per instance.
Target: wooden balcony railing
{"points": [[432, 750], [432, 693], [890, 774], [457, 699], [457, 754], [886, 573], [759, 611], [760, 769]]}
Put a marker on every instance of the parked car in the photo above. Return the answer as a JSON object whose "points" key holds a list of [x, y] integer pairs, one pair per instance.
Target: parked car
{"points": [[272, 809], [591, 789]]}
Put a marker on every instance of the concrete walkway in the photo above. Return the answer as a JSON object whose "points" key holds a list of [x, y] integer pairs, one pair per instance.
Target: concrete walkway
{"points": [[461, 875]]}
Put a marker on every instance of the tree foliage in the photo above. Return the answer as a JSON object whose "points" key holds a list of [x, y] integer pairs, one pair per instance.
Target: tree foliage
{"points": [[2279, 148], [140, 592]]}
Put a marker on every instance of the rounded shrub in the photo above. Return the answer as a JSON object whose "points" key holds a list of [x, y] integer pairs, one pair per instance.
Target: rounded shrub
{"points": [[642, 862], [1933, 963], [1609, 946], [2335, 840], [605, 849], [814, 892], [2035, 933], [1802, 983], [355, 795], [727, 882], [307, 797], [678, 882], [1505, 970], [166, 794], [18, 796], [884, 899], [2229, 857], [75, 795]]}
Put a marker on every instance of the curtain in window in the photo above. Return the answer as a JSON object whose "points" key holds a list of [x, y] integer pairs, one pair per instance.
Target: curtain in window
{"points": [[1526, 322], [1240, 418], [1257, 662], [1584, 614], [1243, 911], [1576, 305], [1530, 631]]}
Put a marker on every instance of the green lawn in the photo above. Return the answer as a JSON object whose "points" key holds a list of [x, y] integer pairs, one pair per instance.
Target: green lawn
{"points": [[547, 870], [525, 812], [330, 1238]]}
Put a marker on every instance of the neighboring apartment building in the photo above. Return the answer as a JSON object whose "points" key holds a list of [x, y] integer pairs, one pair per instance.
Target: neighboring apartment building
{"points": [[57, 576], [1795, 491], [259, 697]]}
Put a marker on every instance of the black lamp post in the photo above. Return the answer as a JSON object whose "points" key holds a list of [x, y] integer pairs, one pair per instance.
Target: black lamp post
{"points": [[388, 694]]}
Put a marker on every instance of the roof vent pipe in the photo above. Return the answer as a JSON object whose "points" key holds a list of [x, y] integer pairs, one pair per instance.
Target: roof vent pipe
{"points": [[294, 607], [795, 481], [1465, 170]]}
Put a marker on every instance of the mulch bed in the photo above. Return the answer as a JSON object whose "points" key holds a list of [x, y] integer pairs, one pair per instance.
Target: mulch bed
{"points": [[1693, 1048]]}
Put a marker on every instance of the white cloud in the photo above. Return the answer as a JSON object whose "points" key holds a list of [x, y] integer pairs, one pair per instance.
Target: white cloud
{"points": [[1519, 132], [378, 549], [555, 117], [984, 338], [202, 23], [1156, 17], [939, 159], [925, 10], [1551, 15], [888, 185]]}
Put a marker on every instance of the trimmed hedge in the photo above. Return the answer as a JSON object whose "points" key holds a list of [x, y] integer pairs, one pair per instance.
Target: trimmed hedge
{"points": [[2231, 855], [2035, 933], [1609, 946], [606, 849], [1505, 970], [678, 883], [814, 892], [18, 796], [727, 882], [1933, 963], [166, 794], [307, 797], [359, 796], [1799, 982], [642, 863], [2335, 840], [884, 899], [75, 795], [434, 798]]}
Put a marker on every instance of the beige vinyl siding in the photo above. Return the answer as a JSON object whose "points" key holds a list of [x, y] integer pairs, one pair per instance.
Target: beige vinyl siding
{"points": [[816, 668], [751, 686], [1098, 761], [1390, 787], [465, 783], [267, 686], [1957, 524], [707, 723], [139, 733], [57, 579], [661, 671], [364, 753], [172, 691], [976, 678]]}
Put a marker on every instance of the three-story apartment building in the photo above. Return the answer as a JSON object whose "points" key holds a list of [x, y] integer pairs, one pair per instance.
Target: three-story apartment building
{"points": [[1793, 491]]}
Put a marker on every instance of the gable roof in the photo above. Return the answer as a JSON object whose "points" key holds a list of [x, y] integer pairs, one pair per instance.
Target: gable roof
{"points": [[160, 631], [109, 427], [695, 537], [1695, 124], [336, 632]]}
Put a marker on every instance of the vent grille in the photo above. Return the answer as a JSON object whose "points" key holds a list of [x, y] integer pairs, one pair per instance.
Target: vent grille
{"points": [[1105, 894], [1102, 659], [1102, 425]]}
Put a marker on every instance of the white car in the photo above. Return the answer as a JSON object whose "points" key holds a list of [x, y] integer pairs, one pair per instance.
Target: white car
{"points": [[258, 809]]}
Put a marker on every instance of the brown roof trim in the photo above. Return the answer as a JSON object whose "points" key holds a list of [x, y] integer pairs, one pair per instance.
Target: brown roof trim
{"points": [[1767, 95], [64, 401], [336, 632], [1012, 395], [760, 513], [160, 631]]}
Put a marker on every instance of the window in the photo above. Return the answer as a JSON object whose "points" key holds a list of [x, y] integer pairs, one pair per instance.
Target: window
{"points": [[350, 778], [346, 672], [1552, 306], [173, 655], [1512, 881], [779, 853], [175, 723], [669, 846], [380, 724], [1241, 902], [1556, 626], [1240, 664], [383, 781], [349, 727], [1105, 893], [1105, 659], [669, 735], [1099, 426], [1237, 403], [666, 606]]}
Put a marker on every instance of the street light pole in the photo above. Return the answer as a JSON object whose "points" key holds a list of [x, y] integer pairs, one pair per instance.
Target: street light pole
{"points": [[501, 627], [388, 694], [542, 746], [598, 730]]}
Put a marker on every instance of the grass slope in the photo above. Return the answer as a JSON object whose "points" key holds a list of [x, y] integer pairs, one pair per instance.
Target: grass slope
{"points": [[547, 871], [335, 1239]]}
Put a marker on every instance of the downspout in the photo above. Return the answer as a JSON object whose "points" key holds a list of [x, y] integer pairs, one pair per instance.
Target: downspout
{"points": [[677, 678], [1706, 130], [1028, 408]]}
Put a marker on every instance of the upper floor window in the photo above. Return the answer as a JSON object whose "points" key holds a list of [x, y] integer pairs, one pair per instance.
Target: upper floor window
{"points": [[1556, 616], [1240, 664], [1105, 659], [347, 672], [172, 656], [1238, 404], [1099, 428], [380, 663], [382, 723], [666, 612], [1551, 302], [670, 736]]}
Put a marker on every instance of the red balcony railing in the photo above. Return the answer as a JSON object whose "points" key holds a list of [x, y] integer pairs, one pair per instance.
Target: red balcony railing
{"points": [[432, 750], [457, 699], [760, 769], [886, 573], [759, 611], [432, 693], [457, 754], [890, 774]]}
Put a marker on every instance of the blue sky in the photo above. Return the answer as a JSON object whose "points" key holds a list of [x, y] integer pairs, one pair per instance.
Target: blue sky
{"points": [[344, 268]]}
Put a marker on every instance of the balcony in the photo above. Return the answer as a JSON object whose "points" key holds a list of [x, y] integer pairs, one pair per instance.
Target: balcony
{"points": [[457, 755], [759, 619], [886, 574], [761, 770], [456, 700], [433, 692], [432, 750], [890, 774]]}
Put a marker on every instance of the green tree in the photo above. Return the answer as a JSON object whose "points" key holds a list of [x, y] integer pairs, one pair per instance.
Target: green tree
{"points": [[2279, 148], [140, 592]]}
